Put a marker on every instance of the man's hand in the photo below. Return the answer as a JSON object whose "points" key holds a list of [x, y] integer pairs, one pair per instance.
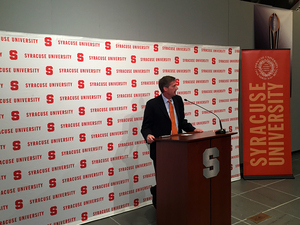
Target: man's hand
{"points": [[150, 138], [198, 130]]}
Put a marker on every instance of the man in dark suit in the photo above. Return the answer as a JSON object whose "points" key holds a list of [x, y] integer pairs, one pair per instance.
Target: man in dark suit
{"points": [[157, 120]]}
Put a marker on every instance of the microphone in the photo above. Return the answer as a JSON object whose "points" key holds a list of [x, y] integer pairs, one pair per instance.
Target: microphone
{"points": [[221, 131]]}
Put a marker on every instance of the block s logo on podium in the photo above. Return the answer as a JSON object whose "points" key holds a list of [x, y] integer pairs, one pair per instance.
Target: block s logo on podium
{"points": [[211, 163]]}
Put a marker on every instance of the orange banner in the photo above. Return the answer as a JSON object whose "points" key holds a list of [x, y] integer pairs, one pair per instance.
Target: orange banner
{"points": [[266, 114]]}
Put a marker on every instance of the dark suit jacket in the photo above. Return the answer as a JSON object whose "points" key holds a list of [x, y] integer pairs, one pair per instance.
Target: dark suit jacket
{"points": [[157, 121]]}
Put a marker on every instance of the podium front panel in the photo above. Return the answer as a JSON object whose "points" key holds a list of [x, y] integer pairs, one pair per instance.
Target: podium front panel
{"points": [[221, 184], [182, 190], [198, 187], [193, 179]]}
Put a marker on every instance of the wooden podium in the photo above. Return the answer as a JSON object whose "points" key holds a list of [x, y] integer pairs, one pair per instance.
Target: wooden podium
{"points": [[194, 179]]}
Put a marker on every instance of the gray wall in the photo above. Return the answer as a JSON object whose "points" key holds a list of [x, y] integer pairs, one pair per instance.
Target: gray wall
{"points": [[213, 22], [216, 22]]}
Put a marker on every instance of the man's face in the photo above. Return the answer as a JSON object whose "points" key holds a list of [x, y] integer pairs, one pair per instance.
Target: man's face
{"points": [[171, 90]]}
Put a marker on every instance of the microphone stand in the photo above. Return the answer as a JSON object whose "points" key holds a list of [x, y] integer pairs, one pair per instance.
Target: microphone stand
{"points": [[221, 131]]}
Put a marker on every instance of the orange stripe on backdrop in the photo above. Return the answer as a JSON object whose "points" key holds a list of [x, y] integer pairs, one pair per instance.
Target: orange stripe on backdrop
{"points": [[266, 113]]}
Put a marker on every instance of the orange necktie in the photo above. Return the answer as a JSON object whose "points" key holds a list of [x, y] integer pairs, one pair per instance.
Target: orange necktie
{"points": [[172, 116]]}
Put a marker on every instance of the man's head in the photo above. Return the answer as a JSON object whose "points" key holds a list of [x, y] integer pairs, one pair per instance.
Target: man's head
{"points": [[168, 86]]}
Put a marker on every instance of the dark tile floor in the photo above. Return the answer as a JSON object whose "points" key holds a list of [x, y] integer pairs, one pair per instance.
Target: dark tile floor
{"points": [[279, 199]]}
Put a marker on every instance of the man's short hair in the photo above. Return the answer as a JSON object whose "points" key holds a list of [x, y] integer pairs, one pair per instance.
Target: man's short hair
{"points": [[165, 82]]}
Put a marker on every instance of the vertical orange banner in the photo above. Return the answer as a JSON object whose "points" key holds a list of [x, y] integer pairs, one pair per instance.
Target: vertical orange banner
{"points": [[266, 114]]}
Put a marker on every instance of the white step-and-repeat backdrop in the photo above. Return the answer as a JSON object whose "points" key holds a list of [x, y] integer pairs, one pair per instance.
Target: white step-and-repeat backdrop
{"points": [[71, 110]]}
